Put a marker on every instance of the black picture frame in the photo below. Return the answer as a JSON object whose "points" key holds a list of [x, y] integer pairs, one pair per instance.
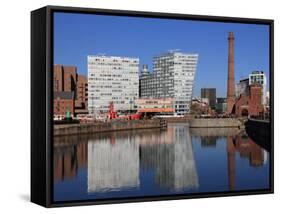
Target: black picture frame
{"points": [[42, 94]]}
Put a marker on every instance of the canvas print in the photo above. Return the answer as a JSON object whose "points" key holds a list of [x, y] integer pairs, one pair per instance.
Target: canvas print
{"points": [[151, 107]]}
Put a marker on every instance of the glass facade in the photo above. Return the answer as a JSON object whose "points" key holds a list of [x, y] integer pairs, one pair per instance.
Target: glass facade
{"points": [[172, 77]]}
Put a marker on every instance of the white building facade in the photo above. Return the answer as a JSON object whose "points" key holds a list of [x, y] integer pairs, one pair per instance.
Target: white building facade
{"points": [[172, 77], [260, 78], [242, 87], [112, 79]]}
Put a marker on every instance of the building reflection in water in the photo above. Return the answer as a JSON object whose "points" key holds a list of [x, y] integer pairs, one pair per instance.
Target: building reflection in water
{"points": [[69, 156], [246, 148], [152, 161], [173, 161], [112, 164], [238, 143], [115, 164]]}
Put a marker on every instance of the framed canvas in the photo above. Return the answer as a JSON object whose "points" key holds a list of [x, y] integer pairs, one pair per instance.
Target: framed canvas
{"points": [[130, 106]]}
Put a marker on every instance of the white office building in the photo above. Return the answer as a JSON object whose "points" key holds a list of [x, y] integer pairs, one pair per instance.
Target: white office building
{"points": [[112, 78], [260, 78], [172, 77]]}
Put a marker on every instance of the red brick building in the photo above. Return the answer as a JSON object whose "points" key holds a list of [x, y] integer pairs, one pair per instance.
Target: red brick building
{"points": [[63, 102], [245, 104], [66, 79], [249, 104], [58, 78], [70, 78], [81, 102]]}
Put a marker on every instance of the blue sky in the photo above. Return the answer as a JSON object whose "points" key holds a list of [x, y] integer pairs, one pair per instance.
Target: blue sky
{"points": [[78, 35]]}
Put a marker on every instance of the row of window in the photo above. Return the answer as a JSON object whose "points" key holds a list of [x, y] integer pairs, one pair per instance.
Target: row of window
{"points": [[114, 60], [109, 79]]}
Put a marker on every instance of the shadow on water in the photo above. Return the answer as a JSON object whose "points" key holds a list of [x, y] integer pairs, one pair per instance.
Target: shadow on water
{"points": [[261, 141], [260, 133]]}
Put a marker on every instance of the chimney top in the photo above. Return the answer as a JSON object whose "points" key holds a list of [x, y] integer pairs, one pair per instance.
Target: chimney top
{"points": [[230, 35]]}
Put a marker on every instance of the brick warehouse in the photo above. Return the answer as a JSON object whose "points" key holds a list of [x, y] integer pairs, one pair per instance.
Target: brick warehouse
{"points": [[63, 103], [81, 102], [249, 104], [245, 104], [66, 79]]}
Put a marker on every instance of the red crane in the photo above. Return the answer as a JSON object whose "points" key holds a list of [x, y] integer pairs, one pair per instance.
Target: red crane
{"points": [[113, 114]]}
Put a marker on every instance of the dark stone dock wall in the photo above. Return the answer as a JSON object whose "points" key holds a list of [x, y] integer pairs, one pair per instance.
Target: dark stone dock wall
{"points": [[73, 129], [260, 132], [215, 123]]}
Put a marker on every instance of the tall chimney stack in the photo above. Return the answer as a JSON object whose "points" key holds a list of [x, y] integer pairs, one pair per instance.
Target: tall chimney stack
{"points": [[230, 78]]}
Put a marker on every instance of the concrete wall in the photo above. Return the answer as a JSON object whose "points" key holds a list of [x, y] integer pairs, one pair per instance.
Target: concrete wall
{"points": [[214, 132], [177, 119], [60, 130], [215, 122]]}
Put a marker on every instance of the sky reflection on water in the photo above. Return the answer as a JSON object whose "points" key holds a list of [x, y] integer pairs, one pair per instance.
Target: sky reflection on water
{"points": [[139, 163]]}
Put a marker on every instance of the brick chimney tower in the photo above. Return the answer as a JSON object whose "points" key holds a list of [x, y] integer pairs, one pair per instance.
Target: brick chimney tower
{"points": [[230, 78]]}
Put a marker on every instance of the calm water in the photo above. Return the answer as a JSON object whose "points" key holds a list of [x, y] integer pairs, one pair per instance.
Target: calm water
{"points": [[178, 160]]}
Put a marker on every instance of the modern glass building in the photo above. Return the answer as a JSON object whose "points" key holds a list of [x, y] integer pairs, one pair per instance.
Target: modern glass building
{"points": [[172, 77], [221, 105], [112, 79], [211, 95]]}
